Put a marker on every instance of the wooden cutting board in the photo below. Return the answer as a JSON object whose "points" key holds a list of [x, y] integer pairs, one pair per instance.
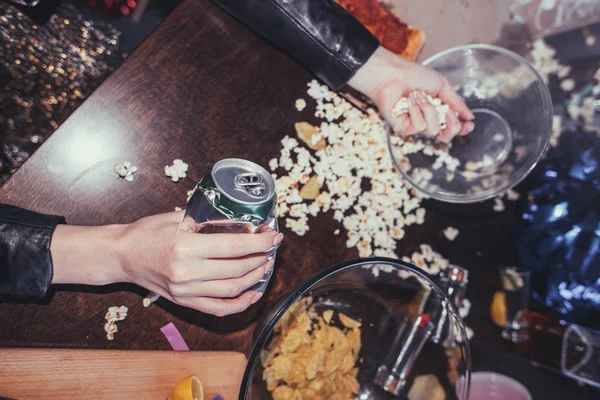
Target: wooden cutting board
{"points": [[30, 374]]}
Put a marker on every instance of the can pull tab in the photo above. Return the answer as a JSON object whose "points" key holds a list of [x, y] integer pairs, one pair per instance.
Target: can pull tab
{"points": [[252, 184]]}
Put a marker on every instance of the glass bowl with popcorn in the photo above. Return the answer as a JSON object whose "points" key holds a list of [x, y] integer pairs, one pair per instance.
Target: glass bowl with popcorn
{"points": [[513, 124], [374, 328]]}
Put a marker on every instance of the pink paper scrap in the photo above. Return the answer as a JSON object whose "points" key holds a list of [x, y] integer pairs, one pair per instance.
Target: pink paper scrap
{"points": [[174, 337]]}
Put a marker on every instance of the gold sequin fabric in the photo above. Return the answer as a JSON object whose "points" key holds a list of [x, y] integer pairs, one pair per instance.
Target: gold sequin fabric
{"points": [[46, 71]]}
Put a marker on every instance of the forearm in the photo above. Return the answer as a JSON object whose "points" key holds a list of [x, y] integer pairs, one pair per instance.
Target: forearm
{"points": [[369, 79], [89, 255], [319, 34]]}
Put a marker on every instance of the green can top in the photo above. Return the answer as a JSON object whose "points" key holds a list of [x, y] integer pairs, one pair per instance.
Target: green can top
{"points": [[242, 188]]}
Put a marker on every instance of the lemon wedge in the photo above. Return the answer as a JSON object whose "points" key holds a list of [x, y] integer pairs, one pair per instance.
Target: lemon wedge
{"points": [[498, 309], [189, 388]]}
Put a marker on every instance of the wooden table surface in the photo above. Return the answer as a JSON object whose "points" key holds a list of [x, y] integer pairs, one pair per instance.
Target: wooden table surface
{"points": [[200, 88]]}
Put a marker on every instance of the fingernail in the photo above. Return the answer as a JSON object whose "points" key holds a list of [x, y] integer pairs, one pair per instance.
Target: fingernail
{"points": [[269, 266], [452, 117], [277, 239], [413, 98], [256, 297], [471, 116], [421, 97]]}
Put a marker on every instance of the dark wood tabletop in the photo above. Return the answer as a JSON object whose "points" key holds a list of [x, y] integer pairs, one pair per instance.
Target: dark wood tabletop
{"points": [[201, 88]]}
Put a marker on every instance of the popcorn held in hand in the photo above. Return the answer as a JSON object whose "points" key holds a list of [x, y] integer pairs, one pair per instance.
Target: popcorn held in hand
{"points": [[400, 108], [126, 170], [441, 109], [177, 170]]}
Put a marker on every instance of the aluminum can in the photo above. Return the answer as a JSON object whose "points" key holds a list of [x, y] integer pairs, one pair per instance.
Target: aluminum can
{"points": [[238, 196]]}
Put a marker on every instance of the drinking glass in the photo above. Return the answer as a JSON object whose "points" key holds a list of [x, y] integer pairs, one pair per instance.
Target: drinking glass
{"points": [[515, 285], [580, 358]]}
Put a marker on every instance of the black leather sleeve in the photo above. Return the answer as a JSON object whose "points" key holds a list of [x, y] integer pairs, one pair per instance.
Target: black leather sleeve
{"points": [[25, 260], [318, 34]]}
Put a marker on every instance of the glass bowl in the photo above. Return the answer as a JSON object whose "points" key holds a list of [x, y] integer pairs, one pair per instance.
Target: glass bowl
{"points": [[513, 124], [408, 329]]}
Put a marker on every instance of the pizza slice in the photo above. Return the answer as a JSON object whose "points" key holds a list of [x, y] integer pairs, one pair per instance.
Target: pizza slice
{"points": [[393, 34]]}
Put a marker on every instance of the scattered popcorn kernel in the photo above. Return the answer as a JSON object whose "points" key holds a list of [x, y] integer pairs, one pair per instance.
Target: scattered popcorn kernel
{"points": [[126, 171], [499, 205], [300, 104], [567, 85], [451, 233], [177, 170], [114, 315]]}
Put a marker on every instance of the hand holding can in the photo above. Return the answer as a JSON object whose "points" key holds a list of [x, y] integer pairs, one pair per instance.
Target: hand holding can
{"points": [[210, 273], [236, 199]]}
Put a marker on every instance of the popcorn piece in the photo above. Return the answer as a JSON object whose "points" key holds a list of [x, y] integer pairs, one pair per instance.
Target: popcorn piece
{"points": [[465, 308], [300, 104], [543, 59], [113, 315], [499, 205], [470, 333], [498, 137], [584, 109], [451, 233], [273, 164], [563, 71], [590, 40], [126, 170], [401, 108], [151, 298], [336, 232], [177, 208], [567, 85], [110, 327], [298, 226], [177, 170], [512, 195]]}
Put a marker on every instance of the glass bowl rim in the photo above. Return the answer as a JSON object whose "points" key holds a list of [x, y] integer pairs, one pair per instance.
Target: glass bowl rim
{"points": [[489, 194], [306, 285]]}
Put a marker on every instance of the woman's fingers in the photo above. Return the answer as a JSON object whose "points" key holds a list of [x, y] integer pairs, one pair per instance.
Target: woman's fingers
{"points": [[225, 245], [221, 307], [453, 127], [417, 121], [429, 114], [222, 288], [194, 270], [234, 267], [467, 128], [456, 103], [400, 125]]}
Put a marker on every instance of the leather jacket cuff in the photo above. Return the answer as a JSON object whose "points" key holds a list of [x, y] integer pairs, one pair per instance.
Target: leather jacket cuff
{"points": [[318, 34], [25, 260]]}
